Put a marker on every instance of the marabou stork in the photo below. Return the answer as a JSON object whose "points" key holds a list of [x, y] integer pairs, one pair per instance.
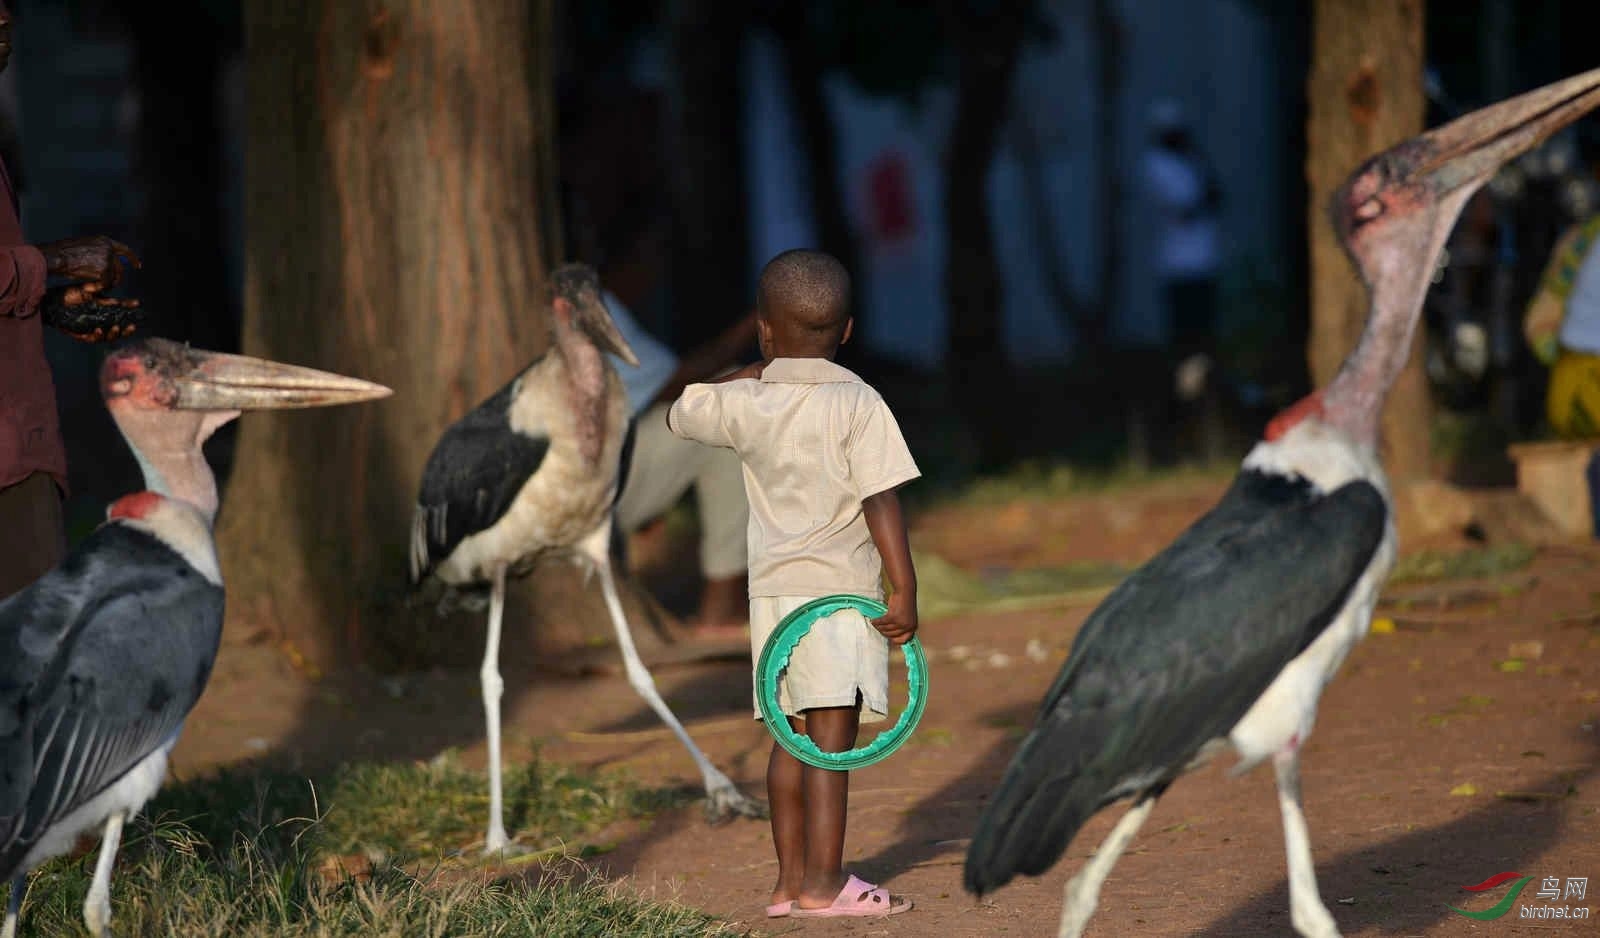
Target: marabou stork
{"points": [[1228, 636], [532, 471], [102, 658]]}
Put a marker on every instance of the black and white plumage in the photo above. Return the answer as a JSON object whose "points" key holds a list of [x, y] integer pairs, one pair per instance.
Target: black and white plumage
{"points": [[1227, 638], [102, 658], [534, 471]]}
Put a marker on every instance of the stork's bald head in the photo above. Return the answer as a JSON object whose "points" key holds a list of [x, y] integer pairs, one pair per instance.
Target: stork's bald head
{"points": [[1396, 210], [578, 308], [803, 305]]}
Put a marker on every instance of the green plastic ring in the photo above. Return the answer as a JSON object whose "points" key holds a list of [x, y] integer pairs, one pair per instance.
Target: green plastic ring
{"points": [[775, 656]]}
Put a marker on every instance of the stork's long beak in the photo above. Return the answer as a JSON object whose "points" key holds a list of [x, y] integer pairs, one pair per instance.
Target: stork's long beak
{"points": [[1470, 149], [603, 330], [218, 381]]}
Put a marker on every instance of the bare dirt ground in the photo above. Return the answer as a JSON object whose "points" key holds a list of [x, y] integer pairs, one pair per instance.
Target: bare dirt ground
{"points": [[1463, 743]]}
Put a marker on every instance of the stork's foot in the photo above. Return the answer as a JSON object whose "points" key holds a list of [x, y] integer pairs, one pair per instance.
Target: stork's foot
{"points": [[498, 846], [1313, 921], [726, 802], [97, 917]]}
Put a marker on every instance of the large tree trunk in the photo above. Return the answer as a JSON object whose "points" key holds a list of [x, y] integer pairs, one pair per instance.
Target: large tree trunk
{"points": [[397, 174], [1365, 94], [988, 40]]}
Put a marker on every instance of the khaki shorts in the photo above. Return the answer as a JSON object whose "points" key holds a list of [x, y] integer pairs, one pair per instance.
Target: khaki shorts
{"points": [[842, 656]]}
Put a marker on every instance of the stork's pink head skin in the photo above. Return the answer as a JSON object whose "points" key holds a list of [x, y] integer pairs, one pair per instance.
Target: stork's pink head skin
{"points": [[158, 373], [140, 375], [168, 398]]}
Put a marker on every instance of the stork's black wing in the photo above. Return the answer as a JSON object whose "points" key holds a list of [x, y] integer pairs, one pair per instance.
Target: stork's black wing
{"points": [[473, 475], [100, 662], [625, 459], [1174, 657]]}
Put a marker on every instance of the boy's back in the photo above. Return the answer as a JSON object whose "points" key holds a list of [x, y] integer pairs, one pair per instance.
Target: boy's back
{"points": [[816, 441], [822, 457]]}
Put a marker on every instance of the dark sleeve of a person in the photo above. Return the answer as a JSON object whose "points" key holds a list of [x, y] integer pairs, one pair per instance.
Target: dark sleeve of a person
{"points": [[22, 279]]}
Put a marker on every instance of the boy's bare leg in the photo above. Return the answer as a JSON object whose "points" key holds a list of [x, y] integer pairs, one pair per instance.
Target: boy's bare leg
{"points": [[786, 802], [827, 799]]}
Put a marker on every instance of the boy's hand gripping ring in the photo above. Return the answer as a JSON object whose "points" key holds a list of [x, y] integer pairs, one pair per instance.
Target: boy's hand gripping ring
{"points": [[775, 657]]}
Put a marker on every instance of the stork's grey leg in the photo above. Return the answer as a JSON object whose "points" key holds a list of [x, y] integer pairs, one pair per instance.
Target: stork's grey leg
{"points": [[19, 885], [493, 686], [1306, 911], [1083, 890], [97, 907], [723, 798]]}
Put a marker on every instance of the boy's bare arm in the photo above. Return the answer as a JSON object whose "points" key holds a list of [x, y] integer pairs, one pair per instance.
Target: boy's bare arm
{"points": [[888, 527]]}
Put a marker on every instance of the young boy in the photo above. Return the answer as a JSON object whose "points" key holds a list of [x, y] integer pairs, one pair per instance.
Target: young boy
{"points": [[822, 458]]}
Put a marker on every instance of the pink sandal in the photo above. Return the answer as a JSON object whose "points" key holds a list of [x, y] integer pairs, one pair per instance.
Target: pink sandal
{"points": [[858, 898], [780, 909]]}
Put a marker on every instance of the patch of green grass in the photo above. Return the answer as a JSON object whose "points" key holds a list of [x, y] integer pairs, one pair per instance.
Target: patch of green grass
{"points": [[410, 810], [945, 589], [1040, 481], [362, 853], [1473, 563], [417, 810]]}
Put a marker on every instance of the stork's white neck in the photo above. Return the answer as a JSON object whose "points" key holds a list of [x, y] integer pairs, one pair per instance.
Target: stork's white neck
{"points": [[586, 366], [168, 446], [586, 388], [1353, 401], [182, 475], [1397, 266]]}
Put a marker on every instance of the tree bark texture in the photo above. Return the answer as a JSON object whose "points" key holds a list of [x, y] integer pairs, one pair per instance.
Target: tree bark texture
{"points": [[397, 174], [1364, 95]]}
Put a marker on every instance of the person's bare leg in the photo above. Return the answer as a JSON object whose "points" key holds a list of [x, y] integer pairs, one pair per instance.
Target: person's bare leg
{"points": [[827, 801], [724, 549], [786, 801], [723, 612]]}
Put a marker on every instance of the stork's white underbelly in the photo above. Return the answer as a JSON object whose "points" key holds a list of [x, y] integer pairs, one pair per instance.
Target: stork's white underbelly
{"points": [[128, 793], [1283, 715], [565, 500]]}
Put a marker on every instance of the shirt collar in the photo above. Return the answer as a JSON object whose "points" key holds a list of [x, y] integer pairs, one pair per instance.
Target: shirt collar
{"points": [[807, 371]]}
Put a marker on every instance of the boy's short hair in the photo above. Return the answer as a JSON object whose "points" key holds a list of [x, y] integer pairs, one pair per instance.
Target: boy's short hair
{"points": [[810, 290]]}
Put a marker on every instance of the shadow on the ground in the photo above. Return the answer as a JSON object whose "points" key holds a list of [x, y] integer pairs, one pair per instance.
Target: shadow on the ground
{"points": [[1407, 882], [1399, 885]]}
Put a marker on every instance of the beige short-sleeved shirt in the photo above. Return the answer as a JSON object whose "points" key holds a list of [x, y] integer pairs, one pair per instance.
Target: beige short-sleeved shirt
{"points": [[815, 441]]}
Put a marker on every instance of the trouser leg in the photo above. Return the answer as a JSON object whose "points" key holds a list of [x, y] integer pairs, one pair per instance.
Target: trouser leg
{"points": [[35, 534]]}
